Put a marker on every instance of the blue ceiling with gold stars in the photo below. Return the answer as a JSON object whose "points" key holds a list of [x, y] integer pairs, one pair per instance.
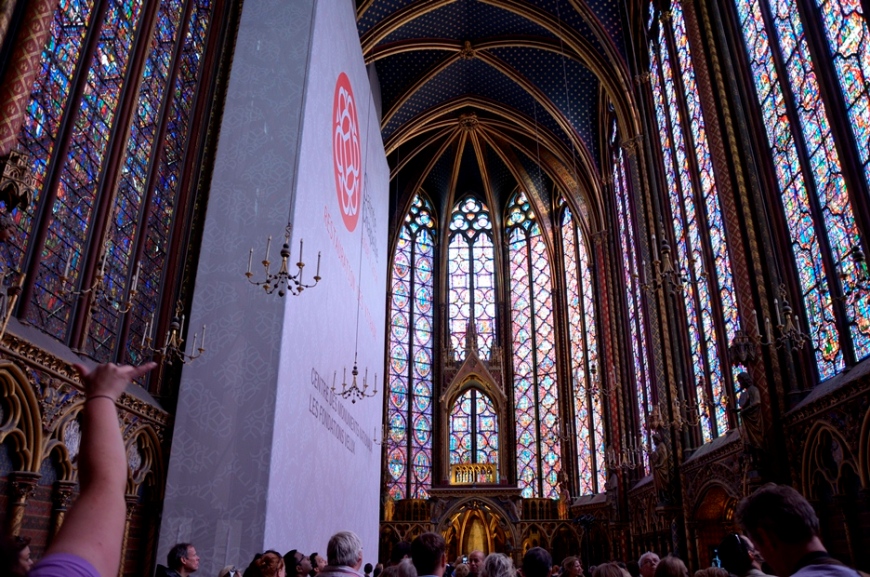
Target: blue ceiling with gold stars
{"points": [[471, 89]]}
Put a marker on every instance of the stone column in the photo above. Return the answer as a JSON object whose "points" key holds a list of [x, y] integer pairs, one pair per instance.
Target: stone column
{"points": [[132, 501], [22, 485], [63, 496]]}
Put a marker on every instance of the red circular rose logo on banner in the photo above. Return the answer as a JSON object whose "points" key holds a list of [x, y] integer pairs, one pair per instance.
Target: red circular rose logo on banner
{"points": [[346, 151]]}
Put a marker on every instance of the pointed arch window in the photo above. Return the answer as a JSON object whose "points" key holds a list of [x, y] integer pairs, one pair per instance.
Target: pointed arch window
{"points": [[806, 149], [634, 301], [473, 429], [534, 352], [709, 299], [588, 403], [107, 183], [471, 270], [409, 406]]}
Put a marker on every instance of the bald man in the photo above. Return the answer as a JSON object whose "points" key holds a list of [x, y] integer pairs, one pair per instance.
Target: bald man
{"points": [[475, 563]]}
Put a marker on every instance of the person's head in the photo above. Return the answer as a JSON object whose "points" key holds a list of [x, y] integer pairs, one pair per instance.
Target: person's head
{"points": [[15, 555], [427, 553], [368, 569], [183, 558], [475, 562], [317, 562], [404, 568], [781, 524], [608, 570], [498, 565], [303, 565], [648, 563], [712, 572], [537, 562], [571, 566], [461, 570], [671, 566], [633, 568], [270, 564], [345, 549], [401, 550], [738, 554]]}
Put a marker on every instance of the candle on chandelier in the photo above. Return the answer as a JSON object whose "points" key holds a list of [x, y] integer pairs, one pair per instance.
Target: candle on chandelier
{"points": [[202, 343], [755, 318], [250, 259], [68, 264], [268, 246], [300, 250], [778, 319], [103, 266], [136, 276], [318, 264]]}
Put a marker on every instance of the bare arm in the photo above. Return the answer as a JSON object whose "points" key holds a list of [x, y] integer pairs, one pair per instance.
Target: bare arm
{"points": [[94, 527]]}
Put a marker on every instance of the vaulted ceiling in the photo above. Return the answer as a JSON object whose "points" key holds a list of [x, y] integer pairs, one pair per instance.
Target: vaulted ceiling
{"points": [[485, 96]]}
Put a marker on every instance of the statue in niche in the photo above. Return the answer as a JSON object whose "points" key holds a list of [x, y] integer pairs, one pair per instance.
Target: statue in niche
{"points": [[564, 494], [612, 489], [389, 507], [660, 462], [751, 418]]}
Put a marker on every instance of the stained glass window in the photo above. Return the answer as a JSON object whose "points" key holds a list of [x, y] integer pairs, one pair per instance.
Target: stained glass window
{"points": [[168, 172], [409, 407], [473, 429], [698, 225], [846, 28], [47, 106], [534, 353], [634, 302], [82, 168], [471, 270], [160, 90], [588, 401], [815, 199]]}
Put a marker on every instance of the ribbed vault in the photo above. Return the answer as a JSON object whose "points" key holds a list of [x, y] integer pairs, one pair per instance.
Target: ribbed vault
{"points": [[485, 96]]}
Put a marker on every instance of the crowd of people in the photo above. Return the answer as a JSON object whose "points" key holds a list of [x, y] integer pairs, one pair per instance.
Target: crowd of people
{"points": [[780, 529]]}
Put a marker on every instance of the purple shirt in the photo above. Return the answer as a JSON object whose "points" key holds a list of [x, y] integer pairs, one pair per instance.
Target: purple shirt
{"points": [[63, 565]]}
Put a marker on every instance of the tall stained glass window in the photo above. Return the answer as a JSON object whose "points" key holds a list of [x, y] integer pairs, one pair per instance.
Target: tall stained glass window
{"points": [[534, 353], [473, 429], [471, 270], [709, 299], [409, 406], [85, 209], [588, 402], [634, 301], [816, 200]]}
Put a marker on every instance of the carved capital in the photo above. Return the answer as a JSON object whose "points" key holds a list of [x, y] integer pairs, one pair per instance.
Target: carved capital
{"points": [[642, 78], [467, 52], [63, 494], [631, 145], [22, 485]]}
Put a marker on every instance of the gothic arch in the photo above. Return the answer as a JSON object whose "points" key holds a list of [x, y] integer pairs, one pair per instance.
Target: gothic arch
{"points": [[147, 467], [826, 454], [20, 417], [496, 511], [65, 440], [473, 375]]}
